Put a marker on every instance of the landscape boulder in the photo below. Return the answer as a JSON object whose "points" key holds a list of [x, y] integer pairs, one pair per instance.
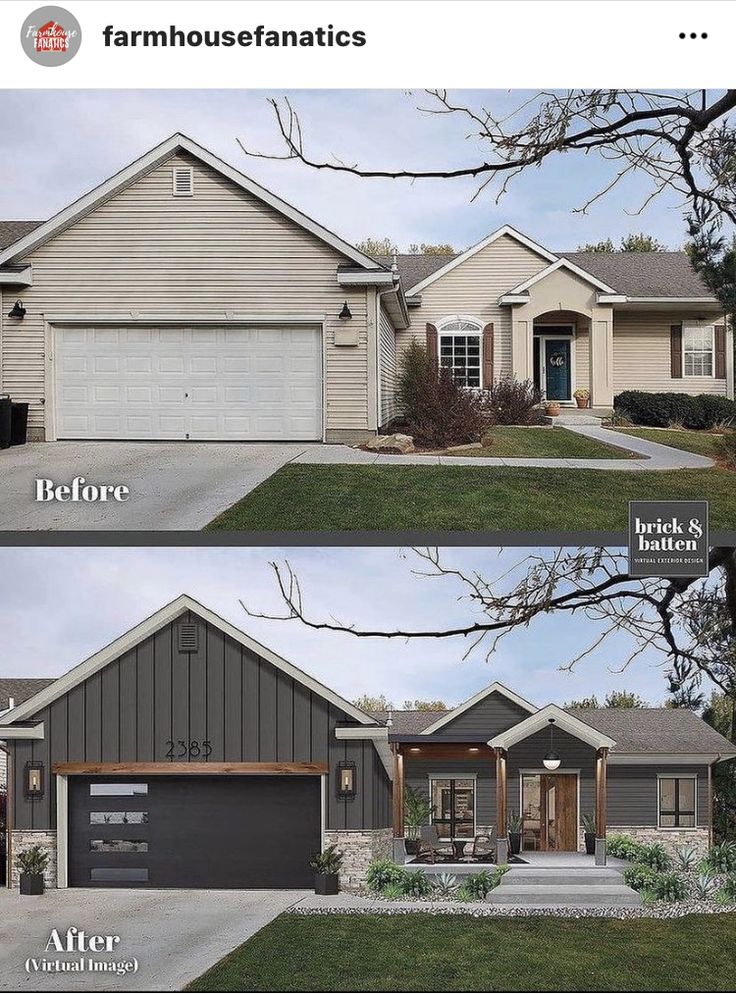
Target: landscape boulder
{"points": [[400, 444]]}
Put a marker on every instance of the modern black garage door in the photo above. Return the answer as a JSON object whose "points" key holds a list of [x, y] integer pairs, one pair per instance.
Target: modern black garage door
{"points": [[193, 831]]}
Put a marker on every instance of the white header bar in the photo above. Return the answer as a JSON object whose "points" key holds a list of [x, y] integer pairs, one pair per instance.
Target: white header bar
{"points": [[381, 43]]}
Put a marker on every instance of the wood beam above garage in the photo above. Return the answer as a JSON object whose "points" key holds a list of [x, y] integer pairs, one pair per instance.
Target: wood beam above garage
{"points": [[190, 769]]}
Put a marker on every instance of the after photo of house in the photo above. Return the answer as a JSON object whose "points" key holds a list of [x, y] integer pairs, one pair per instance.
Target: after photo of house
{"points": [[309, 781], [250, 335]]}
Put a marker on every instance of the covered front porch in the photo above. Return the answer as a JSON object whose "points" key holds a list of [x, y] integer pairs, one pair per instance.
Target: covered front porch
{"points": [[526, 791]]}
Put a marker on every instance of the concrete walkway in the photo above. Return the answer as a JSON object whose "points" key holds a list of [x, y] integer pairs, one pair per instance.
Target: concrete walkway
{"points": [[173, 935], [649, 456]]}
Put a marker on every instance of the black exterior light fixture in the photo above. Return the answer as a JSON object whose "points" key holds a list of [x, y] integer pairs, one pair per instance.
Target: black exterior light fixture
{"points": [[551, 760], [346, 780], [34, 780], [345, 314], [17, 311]]}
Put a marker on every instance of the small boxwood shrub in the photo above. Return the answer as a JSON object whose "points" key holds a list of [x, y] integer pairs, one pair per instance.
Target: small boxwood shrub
{"points": [[624, 847], [670, 887], [383, 873], [655, 856], [416, 883], [641, 877], [660, 410]]}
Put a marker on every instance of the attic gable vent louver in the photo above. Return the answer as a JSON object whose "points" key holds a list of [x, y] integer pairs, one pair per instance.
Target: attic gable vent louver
{"points": [[183, 181], [188, 637]]}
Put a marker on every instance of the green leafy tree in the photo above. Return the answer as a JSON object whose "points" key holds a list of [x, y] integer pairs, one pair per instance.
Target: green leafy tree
{"points": [[377, 246], [719, 712], [641, 243], [583, 702], [604, 246], [419, 705], [623, 699], [379, 703]]}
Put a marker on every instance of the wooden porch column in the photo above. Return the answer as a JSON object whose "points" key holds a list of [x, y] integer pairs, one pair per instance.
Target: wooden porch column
{"points": [[398, 795], [601, 792], [502, 842]]}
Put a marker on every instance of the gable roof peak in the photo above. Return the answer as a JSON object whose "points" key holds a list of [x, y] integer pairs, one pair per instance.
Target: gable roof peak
{"points": [[492, 688]]}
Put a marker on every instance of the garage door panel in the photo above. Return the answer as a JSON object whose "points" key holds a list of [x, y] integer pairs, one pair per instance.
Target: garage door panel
{"points": [[154, 382], [201, 832]]}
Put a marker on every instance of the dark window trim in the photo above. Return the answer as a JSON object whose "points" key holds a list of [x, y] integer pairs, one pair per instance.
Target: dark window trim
{"points": [[452, 821], [678, 811]]}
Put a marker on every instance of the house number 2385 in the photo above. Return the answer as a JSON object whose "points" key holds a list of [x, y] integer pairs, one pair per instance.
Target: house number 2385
{"points": [[181, 749]]}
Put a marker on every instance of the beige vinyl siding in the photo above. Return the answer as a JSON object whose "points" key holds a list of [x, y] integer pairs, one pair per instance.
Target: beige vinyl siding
{"points": [[473, 288], [387, 368], [220, 250], [641, 355], [582, 359], [3, 771]]}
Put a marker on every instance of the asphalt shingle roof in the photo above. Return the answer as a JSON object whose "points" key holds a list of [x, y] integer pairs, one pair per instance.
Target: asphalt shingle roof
{"points": [[655, 730], [643, 274], [20, 689], [408, 722], [12, 231], [414, 268]]}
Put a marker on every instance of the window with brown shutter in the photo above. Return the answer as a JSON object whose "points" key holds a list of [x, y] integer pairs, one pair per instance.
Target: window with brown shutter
{"points": [[676, 351], [488, 356], [432, 342], [720, 341]]}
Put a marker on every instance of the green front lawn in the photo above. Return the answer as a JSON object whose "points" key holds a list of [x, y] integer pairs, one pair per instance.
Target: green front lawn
{"points": [[421, 952], [302, 497], [546, 443], [703, 443]]}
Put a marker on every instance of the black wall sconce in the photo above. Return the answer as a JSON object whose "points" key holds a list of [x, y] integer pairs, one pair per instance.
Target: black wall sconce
{"points": [[17, 311], [345, 314], [34, 780], [346, 780]]}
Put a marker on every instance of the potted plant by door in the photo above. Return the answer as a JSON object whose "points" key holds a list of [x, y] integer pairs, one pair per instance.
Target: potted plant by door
{"points": [[582, 397], [326, 866], [514, 830], [417, 811], [589, 831], [552, 408], [32, 862]]}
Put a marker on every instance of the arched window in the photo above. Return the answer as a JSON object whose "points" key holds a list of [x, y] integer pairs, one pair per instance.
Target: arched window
{"points": [[459, 347]]}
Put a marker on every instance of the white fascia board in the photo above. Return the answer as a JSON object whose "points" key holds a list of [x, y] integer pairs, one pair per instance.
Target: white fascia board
{"points": [[611, 298], [378, 736], [494, 688], [562, 719], [351, 278], [22, 731], [560, 264], [23, 277], [479, 246], [177, 142], [669, 759], [514, 298], [673, 300], [150, 626]]}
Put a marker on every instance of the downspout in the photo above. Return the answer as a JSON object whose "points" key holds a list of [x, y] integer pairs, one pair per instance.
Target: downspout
{"points": [[710, 800], [8, 816], [379, 295]]}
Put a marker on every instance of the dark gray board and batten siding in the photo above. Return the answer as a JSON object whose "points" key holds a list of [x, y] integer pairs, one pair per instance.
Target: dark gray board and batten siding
{"points": [[243, 705], [490, 716]]}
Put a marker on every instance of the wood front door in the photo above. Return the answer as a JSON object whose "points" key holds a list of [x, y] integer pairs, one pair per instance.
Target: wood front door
{"points": [[550, 812]]}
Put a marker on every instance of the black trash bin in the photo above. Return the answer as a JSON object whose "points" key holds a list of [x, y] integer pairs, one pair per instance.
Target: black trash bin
{"points": [[5, 420], [18, 423]]}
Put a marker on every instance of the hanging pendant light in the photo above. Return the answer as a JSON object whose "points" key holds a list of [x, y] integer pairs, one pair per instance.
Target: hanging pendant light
{"points": [[551, 760]]}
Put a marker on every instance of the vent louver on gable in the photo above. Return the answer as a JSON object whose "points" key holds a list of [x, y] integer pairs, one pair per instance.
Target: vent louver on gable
{"points": [[183, 181], [188, 637]]}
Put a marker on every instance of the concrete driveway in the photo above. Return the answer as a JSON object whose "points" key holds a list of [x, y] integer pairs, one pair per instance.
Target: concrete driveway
{"points": [[174, 935], [173, 485]]}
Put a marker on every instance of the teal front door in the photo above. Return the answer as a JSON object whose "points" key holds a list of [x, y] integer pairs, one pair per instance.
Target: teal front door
{"points": [[557, 372]]}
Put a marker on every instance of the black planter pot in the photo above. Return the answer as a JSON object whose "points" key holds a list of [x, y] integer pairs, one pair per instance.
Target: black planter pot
{"points": [[590, 843], [31, 883], [326, 883], [411, 846], [515, 843]]}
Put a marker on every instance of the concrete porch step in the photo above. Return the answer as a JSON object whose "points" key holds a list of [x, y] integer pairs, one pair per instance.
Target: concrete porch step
{"points": [[562, 878], [594, 895], [575, 418]]}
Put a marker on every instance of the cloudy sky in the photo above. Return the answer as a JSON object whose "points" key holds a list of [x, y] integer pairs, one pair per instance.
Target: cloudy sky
{"points": [[56, 145], [57, 606]]}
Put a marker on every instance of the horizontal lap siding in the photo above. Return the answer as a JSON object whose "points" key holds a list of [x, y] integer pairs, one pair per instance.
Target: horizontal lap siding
{"points": [[387, 360], [632, 793], [473, 288], [220, 250], [575, 755], [245, 707], [641, 355], [417, 774]]}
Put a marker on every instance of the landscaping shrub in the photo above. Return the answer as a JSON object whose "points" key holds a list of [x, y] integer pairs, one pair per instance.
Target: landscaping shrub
{"points": [[670, 887], [383, 873], [704, 886], [641, 877], [655, 856], [624, 847], [437, 411], [416, 883], [687, 857], [445, 885], [660, 410], [721, 858], [513, 402], [727, 893], [392, 892]]}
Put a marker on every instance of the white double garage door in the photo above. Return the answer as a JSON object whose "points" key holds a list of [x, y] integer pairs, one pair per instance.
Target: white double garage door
{"points": [[198, 383]]}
